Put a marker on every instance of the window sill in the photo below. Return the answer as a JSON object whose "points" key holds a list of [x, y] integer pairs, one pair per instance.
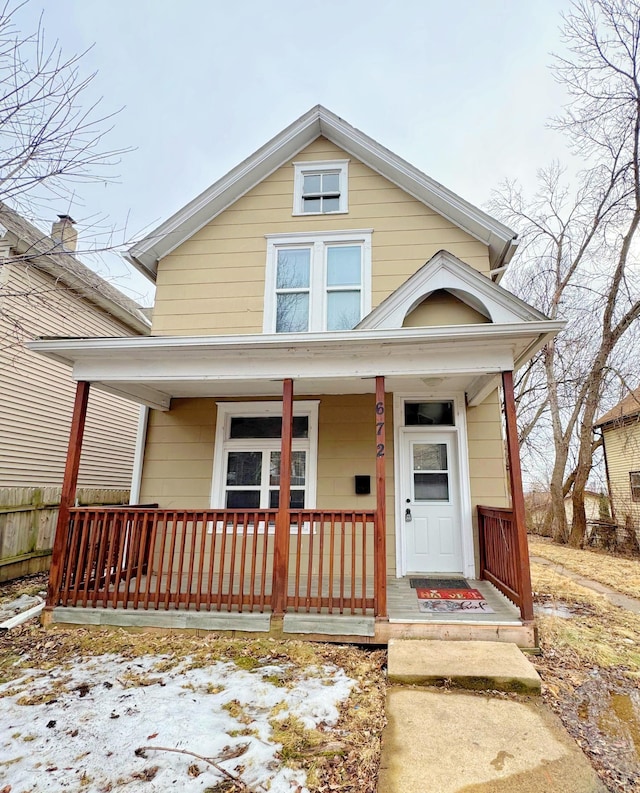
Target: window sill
{"points": [[251, 528], [319, 214]]}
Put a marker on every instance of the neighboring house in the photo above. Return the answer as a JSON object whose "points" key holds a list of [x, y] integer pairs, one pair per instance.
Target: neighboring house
{"points": [[46, 291], [620, 429], [538, 504], [328, 343]]}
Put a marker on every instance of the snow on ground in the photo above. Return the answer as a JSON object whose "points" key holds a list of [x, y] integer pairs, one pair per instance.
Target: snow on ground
{"points": [[77, 727]]}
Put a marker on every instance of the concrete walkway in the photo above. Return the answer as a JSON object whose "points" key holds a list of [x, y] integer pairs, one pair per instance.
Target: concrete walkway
{"points": [[439, 740], [612, 595]]}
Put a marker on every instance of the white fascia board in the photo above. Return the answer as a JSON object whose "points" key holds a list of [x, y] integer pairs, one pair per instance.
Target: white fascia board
{"points": [[69, 350], [282, 148]]}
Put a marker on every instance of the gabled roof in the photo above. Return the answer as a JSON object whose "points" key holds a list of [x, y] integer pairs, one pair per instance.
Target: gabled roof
{"points": [[44, 253], [625, 409], [320, 122], [446, 271]]}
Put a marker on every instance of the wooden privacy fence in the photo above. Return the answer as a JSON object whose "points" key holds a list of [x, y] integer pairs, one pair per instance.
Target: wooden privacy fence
{"points": [[28, 521], [216, 560], [499, 562]]}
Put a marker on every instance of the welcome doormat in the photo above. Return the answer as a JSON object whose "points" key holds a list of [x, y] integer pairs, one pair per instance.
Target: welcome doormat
{"points": [[439, 583], [449, 594], [437, 600], [446, 606]]}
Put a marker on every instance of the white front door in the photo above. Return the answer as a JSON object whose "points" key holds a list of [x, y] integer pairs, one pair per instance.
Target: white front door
{"points": [[431, 512]]}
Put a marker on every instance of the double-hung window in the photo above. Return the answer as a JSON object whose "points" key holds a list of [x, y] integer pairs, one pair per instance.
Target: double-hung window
{"points": [[634, 482], [320, 188], [247, 455], [317, 282]]}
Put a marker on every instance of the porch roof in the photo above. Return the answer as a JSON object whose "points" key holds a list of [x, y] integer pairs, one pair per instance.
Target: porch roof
{"points": [[153, 370]]}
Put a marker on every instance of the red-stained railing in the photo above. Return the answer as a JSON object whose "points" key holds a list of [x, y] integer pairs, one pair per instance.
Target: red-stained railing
{"points": [[215, 560], [331, 562], [499, 559]]}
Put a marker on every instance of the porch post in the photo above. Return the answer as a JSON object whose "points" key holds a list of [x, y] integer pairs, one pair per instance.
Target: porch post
{"points": [[380, 538], [517, 498], [281, 541], [68, 494]]}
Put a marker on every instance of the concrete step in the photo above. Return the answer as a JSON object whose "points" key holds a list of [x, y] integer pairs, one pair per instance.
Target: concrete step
{"points": [[463, 742], [481, 666]]}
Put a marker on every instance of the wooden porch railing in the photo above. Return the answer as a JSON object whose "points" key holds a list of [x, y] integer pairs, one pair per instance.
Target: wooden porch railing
{"points": [[215, 560], [331, 562], [499, 561]]}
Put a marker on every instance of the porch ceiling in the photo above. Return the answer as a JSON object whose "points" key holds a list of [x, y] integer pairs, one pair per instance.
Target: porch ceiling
{"points": [[153, 370]]}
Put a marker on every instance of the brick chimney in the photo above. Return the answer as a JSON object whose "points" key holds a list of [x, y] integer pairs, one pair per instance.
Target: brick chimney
{"points": [[63, 231]]}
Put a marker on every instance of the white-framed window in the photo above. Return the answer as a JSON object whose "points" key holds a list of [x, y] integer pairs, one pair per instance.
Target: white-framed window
{"points": [[320, 188], [634, 483], [246, 461], [317, 282]]}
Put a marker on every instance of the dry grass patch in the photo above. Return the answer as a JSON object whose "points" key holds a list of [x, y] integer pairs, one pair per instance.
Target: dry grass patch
{"points": [[599, 633], [343, 757], [618, 572]]}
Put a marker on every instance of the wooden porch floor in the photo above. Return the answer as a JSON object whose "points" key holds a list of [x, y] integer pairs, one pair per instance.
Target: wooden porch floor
{"points": [[403, 606], [405, 620]]}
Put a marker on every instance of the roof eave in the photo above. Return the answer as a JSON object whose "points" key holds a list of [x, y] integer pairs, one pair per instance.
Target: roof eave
{"points": [[319, 121]]}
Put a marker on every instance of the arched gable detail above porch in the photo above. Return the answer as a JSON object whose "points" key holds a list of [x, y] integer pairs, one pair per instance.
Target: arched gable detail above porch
{"points": [[444, 272]]}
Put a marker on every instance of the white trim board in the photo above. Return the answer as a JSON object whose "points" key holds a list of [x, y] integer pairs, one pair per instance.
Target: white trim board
{"points": [[460, 430]]}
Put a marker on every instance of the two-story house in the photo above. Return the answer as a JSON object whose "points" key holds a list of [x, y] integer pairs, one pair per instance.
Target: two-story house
{"points": [[324, 436]]}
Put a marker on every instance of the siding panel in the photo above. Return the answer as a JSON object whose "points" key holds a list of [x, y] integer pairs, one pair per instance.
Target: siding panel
{"points": [[37, 394]]}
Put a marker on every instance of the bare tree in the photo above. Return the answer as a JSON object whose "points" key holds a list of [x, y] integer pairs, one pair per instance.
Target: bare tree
{"points": [[579, 258], [51, 138]]}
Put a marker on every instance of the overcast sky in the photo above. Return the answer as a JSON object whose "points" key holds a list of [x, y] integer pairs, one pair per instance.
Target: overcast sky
{"points": [[460, 89]]}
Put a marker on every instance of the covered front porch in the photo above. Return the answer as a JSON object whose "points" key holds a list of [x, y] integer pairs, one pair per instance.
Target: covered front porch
{"points": [[312, 571]]}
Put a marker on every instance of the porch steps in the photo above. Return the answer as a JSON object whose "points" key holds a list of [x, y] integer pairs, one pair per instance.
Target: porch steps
{"points": [[477, 665], [340, 625]]}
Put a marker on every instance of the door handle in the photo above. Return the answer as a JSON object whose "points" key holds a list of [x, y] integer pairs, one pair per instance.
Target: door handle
{"points": [[407, 515]]}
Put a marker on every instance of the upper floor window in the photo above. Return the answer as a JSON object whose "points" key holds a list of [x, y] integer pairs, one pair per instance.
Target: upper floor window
{"points": [[320, 188], [317, 282]]}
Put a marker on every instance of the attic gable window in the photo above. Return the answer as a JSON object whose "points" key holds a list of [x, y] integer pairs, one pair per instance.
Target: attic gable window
{"points": [[317, 282], [320, 188]]}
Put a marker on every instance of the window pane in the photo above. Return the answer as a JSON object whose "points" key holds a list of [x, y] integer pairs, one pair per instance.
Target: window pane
{"points": [[430, 457], [330, 204], [343, 310], [343, 265], [292, 312], [296, 500], [244, 468], [266, 427], [434, 413], [311, 184], [293, 268], [243, 499], [298, 461], [431, 487], [310, 204], [330, 183]]}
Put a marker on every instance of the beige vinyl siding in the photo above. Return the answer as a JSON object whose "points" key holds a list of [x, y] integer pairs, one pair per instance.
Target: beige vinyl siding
{"points": [[623, 455], [214, 282], [443, 308], [37, 394], [178, 464], [487, 470]]}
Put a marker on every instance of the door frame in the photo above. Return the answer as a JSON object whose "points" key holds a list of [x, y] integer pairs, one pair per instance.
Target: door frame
{"points": [[459, 432]]}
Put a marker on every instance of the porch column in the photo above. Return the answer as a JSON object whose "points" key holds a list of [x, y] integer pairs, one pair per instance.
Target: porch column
{"points": [[380, 538], [281, 541], [68, 495], [517, 498]]}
